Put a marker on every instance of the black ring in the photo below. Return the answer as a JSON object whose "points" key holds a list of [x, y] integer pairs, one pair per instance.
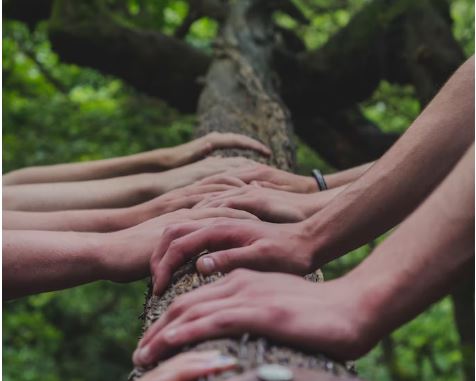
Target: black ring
{"points": [[321, 183]]}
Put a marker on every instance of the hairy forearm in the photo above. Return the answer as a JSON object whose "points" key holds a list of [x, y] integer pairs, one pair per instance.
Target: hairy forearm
{"points": [[404, 176], [36, 261], [91, 170], [424, 258]]}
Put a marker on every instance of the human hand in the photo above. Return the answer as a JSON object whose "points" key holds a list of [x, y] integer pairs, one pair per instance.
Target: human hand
{"points": [[190, 366], [232, 243], [188, 174], [126, 253], [268, 204], [180, 198], [267, 177], [201, 147], [279, 306]]}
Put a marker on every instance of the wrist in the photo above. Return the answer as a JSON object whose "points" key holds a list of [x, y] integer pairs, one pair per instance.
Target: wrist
{"points": [[363, 323], [319, 238], [372, 305], [97, 253]]}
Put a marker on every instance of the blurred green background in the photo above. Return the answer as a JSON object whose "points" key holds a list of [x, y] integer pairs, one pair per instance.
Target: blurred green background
{"points": [[53, 112]]}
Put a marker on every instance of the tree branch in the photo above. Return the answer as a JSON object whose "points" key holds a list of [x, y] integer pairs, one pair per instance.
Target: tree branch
{"points": [[86, 34]]}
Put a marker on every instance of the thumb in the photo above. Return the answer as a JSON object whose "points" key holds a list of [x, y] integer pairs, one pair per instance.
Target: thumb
{"points": [[226, 260]]}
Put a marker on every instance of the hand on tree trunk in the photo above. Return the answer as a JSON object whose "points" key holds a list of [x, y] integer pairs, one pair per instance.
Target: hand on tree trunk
{"points": [[270, 204], [232, 243], [286, 308], [268, 177], [190, 366]]}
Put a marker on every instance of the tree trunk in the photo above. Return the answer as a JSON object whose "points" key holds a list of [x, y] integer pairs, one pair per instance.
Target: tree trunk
{"points": [[240, 95]]}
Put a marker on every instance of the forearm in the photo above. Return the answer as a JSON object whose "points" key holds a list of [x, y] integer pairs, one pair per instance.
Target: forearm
{"points": [[404, 176], [334, 180], [424, 258], [95, 194], [90, 220], [312, 203], [91, 170], [36, 261]]}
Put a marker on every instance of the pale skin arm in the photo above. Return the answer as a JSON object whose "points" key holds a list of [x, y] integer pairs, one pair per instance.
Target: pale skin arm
{"points": [[418, 264], [108, 220], [273, 178], [112, 193], [38, 261], [151, 161]]}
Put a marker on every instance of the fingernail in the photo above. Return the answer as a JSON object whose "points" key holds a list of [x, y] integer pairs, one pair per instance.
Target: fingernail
{"points": [[222, 361], [208, 264], [141, 355], [170, 335]]}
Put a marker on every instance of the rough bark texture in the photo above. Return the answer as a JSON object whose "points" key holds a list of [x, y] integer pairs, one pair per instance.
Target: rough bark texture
{"points": [[240, 95]]}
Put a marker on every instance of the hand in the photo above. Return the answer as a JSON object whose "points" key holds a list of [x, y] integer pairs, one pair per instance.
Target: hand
{"points": [[232, 243], [201, 147], [190, 366], [188, 174], [325, 318], [126, 253], [267, 204], [268, 177], [180, 198]]}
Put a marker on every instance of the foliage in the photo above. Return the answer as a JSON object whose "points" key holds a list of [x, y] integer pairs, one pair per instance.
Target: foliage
{"points": [[59, 113]]}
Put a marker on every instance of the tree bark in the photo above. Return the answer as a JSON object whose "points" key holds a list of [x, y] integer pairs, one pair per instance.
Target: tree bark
{"points": [[240, 96]]}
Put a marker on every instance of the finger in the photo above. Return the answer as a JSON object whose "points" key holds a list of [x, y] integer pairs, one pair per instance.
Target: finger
{"points": [[267, 184], [204, 213], [209, 188], [223, 179], [169, 234], [230, 140], [227, 260], [181, 249], [190, 366], [200, 310], [216, 324], [219, 296], [216, 290]]}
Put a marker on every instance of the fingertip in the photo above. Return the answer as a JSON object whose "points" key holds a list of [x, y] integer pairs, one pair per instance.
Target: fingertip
{"points": [[206, 265]]}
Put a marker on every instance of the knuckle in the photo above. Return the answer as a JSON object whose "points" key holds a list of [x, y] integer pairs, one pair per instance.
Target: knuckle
{"points": [[177, 307], [225, 320], [277, 312], [169, 232]]}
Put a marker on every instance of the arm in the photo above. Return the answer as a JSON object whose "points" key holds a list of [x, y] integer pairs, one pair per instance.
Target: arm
{"points": [[35, 261], [38, 261], [112, 193], [151, 161], [418, 264], [273, 178], [107, 220], [334, 180], [404, 176]]}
